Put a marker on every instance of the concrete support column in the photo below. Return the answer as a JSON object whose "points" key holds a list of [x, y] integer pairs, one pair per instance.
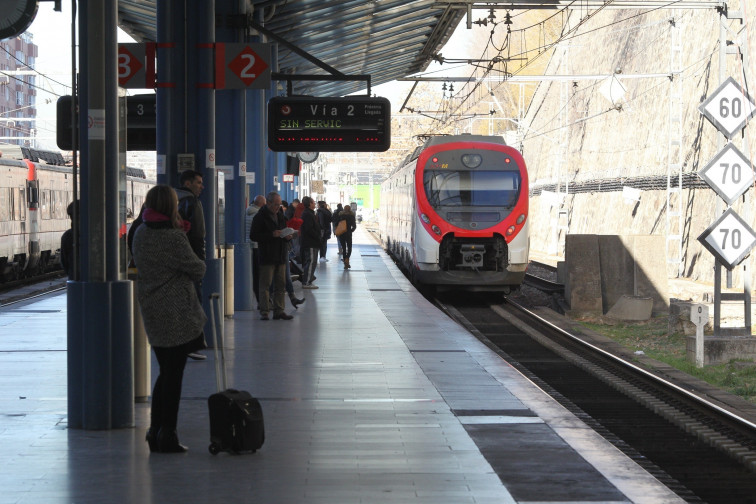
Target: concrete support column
{"points": [[231, 141], [171, 89], [200, 132], [100, 380]]}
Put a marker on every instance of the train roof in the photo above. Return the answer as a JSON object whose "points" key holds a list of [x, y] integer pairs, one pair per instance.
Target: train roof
{"points": [[19, 152], [443, 139]]}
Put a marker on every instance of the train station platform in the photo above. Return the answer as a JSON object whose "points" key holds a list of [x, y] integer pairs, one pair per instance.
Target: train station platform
{"points": [[370, 395]]}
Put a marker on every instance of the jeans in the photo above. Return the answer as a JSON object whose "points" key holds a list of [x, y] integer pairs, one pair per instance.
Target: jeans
{"points": [[345, 240]]}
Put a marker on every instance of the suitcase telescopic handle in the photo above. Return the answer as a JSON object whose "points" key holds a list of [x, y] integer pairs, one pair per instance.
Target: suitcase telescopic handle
{"points": [[220, 360]]}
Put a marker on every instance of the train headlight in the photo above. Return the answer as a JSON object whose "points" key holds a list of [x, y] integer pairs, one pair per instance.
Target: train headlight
{"points": [[425, 218], [510, 230], [521, 219], [436, 229], [472, 160]]}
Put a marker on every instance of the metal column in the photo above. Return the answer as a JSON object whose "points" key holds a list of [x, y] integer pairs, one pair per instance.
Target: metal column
{"points": [[231, 142]]}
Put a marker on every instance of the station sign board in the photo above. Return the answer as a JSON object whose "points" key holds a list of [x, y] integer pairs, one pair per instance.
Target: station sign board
{"points": [[141, 117], [729, 173], [136, 65], [729, 239], [729, 108], [329, 124], [242, 66]]}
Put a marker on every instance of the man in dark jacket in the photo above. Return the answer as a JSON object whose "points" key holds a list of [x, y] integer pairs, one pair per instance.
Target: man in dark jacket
{"points": [[190, 209], [324, 218], [310, 242], [67, 243], [267, 227]]}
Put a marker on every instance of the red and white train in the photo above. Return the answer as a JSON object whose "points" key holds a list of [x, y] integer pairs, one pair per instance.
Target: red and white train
{"points": [[455, 214], [34, 198]]}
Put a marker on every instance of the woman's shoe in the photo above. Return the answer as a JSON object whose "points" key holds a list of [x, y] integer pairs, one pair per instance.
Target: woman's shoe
{"points": [[296, 302], [151, 439], [168, 443]]}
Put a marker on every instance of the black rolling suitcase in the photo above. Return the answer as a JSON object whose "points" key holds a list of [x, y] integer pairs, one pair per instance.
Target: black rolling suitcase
{"points": [[236, 418]]}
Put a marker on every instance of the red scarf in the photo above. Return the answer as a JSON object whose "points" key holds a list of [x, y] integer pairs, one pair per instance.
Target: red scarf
{"points": [[150, 215]]}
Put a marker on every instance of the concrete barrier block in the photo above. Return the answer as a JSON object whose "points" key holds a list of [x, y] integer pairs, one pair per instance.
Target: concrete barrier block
{"points": [[722, 349], [650, 270], [583, 286], [631, 308], [617, 265]]}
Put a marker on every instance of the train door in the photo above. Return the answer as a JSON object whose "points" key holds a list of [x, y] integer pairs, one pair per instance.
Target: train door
{"points": [[32, 219]]}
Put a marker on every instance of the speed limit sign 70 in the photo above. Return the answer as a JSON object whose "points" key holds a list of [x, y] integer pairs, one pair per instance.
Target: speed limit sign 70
{"points": [[728, 108], [730, 239], [729, 173]]}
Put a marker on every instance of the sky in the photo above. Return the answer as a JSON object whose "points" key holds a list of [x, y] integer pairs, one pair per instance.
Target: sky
{"points": [[52, 35]]}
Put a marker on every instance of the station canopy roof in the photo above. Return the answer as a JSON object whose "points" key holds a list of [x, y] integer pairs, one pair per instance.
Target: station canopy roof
{"points": [[386, 39]]}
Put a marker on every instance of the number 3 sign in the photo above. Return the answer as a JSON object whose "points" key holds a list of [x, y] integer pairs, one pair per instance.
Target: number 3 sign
{"points": [[242, 66]]}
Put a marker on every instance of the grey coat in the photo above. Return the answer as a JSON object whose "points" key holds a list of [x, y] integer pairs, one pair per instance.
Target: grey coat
{"points": [[167, 269]]}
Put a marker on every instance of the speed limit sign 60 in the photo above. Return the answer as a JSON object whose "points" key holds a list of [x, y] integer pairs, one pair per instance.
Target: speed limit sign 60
{"points": [[728, 108]]}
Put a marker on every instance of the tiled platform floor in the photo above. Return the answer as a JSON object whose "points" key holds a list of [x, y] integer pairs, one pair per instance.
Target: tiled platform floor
{"points": [[370, 396]]}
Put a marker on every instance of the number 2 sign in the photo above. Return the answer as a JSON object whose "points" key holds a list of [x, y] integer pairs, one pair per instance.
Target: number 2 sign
{"points": [[242, 66]]}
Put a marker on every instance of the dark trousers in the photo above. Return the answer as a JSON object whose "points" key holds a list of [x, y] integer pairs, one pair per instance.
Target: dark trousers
{"points": [[323, 246], [273, 276], [345, 240], [256, 274], [166, 394], [310, 263]]}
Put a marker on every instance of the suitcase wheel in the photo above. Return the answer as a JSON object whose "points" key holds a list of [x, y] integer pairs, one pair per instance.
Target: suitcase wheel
{"points": [[214, 448]]}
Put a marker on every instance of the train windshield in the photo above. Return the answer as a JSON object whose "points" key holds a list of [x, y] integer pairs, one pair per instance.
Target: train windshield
{"points": [[445, 188]]}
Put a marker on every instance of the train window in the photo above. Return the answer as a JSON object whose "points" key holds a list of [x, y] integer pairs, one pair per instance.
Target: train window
{"points": [[5, 201], [20, 204], [44, 205], [471, 188]]}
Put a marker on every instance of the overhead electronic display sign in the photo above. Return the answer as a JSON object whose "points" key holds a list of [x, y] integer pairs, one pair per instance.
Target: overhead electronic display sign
{"points": [[310, 124]]}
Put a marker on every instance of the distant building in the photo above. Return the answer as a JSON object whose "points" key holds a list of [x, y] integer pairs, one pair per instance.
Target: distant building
{"points": [[18, 96]]}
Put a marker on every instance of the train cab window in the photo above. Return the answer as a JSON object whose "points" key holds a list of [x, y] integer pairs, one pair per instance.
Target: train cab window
{"points": [[472, 188]]}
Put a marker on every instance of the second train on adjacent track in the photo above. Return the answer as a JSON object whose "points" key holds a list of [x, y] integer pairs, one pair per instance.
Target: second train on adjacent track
{"points": [[455, 214], [34, 198]]}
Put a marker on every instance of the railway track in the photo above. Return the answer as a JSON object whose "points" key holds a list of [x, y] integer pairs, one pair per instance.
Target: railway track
{"points": [[701, 450], [16, 290]]}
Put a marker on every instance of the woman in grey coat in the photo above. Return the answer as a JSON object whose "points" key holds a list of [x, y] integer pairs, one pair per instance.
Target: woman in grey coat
{"points": [[173, 316]]}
